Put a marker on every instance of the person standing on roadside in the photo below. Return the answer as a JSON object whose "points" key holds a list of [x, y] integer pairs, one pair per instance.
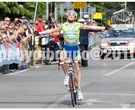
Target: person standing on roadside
{"points": [[50, 18], [40, 26], [6, 21]]}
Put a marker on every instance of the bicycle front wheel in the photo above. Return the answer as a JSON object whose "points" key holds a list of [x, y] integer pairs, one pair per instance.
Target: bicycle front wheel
{"points": [[72, 89], [75, 91]]}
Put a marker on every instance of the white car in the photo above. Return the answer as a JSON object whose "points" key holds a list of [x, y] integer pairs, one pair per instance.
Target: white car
{"points": [[120, 39]]}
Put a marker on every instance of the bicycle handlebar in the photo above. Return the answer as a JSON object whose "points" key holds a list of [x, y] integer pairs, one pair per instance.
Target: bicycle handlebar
{"points": [[68, 62]]}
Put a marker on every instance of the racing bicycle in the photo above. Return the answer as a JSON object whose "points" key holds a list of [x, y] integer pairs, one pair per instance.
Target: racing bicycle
{"points": [[72, 83]]}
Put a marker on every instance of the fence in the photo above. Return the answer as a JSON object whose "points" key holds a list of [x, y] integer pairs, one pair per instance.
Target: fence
{"points": [[10, 53]]}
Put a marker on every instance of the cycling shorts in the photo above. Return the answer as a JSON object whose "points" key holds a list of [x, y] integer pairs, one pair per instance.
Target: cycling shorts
{"points": [[72, 52]]}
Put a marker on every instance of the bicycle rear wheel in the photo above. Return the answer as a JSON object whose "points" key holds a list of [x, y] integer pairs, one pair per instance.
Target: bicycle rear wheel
{"points": [[72, 89]]}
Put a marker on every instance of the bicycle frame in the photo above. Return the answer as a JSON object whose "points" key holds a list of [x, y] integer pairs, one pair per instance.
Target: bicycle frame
{"points": [[72, 83], [121, 16], [71, 73]]}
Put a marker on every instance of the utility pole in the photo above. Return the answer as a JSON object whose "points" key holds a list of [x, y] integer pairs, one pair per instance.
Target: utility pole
{"points": [[46, 10], [68, 7], [125, 5], [56, 10], [35, 11], [81, 12]]}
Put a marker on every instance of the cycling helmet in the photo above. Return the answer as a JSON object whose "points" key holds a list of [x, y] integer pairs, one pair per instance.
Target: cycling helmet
{"points": [[72, 11]]}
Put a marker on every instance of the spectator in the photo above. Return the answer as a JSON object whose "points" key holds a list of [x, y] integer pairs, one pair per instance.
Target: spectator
{"points": [[40, 26], [56, 23], [90, 36], [94, 23], [10, 28], [31, 24], [12, 24], [19, 22], [16, 26], [1, 33], [35, 25], [23, 18], [55, 35], [43, 23], [6, 27], [46, 24], [15, 19], [1, 23], [7, 21], [84, 43], [29, 37], [50, 19]]}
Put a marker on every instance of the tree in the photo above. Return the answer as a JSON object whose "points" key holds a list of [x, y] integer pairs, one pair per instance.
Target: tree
{"points": [[19, 9]]}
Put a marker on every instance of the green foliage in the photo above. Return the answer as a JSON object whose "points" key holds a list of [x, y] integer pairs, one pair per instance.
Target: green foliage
{"points": [[13, 9]]}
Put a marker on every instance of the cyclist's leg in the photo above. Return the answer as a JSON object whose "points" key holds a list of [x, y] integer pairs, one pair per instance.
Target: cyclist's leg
{"points": [[64, 67], [62, 59], [78, 76], [77, 68]]}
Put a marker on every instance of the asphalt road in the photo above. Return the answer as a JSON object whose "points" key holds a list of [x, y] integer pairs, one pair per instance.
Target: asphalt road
{"points": [[105, 84]]}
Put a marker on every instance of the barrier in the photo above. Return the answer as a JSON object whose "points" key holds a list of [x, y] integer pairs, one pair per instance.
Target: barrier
{"points": [[95, 39], [10, 53]]}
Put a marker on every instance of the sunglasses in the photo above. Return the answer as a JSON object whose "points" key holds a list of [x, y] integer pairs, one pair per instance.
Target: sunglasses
{"points": [[71, 14]]}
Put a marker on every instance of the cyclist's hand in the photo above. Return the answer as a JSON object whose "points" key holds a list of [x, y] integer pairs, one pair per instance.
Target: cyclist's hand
{"points": [[107, 27]]}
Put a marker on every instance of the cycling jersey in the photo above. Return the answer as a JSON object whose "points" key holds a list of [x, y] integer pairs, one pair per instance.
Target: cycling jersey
{"points": [[71, 33]]}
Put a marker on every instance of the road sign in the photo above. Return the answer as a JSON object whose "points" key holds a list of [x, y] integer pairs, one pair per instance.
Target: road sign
{"points": [[109, 22], [92, 10], [80, 5], [97, 16], [65, 7]]}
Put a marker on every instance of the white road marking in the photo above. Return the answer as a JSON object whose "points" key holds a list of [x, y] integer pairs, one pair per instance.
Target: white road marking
{"points": [[95, 101], [125, 105], [59, 101], [92, 101], [119, 69], [89, 102], [106, 94]]}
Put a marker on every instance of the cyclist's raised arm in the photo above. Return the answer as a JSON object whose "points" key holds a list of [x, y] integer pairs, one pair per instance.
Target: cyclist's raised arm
{"points": [[94, 27], [50, 31]]}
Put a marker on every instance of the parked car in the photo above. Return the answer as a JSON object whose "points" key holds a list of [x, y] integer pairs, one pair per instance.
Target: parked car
{"points": [[120, 39]]}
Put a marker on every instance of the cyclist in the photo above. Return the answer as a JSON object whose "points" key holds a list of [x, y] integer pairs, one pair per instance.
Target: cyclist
{"points": [[71, 31]]}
